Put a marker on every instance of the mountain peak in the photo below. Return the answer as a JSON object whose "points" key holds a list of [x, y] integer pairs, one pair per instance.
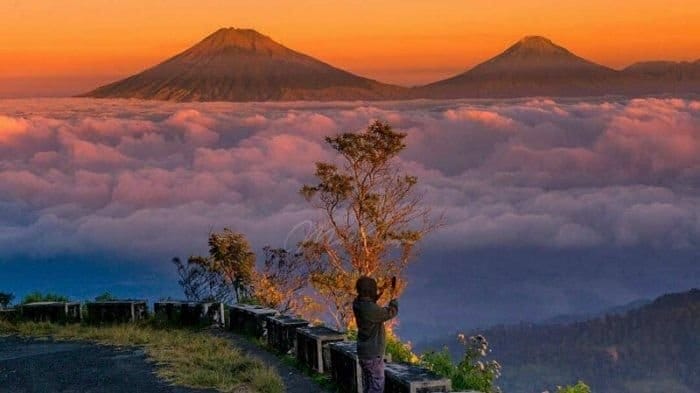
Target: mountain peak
{"points": [[234, 34], [536, 40], [536, 45], [234, 38]]}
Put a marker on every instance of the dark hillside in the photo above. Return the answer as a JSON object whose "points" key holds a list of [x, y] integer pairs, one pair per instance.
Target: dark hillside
{"points": [[654, 349]]}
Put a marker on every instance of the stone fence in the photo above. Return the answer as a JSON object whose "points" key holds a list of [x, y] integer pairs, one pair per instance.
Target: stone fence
{"points": [[319, 348]]}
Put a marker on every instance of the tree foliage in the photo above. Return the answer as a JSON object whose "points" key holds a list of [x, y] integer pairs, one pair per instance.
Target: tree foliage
{"points": [[37, 296], [280, 282], [191, 277], [231, 256], [580, 387], [224, 275], [229, 273], [372, 218], [6, 299], [105, 297]]}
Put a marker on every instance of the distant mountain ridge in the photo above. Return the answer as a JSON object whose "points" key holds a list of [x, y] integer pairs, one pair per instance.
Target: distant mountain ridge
{"points": [[651, 349], [573, 318], [243, 65]]}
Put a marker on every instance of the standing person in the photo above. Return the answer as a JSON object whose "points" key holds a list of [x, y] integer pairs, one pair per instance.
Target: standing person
{"points": [[371, 335]]}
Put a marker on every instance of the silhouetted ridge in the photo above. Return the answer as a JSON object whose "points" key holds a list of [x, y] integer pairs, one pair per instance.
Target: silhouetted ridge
{"points": [[653, 348]]}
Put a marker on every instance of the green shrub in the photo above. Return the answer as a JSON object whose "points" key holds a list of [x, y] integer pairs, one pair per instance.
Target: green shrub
{"points": [[37, 296], [399, 350], [105, 297], [580, 387], [5, 299], [440, 363], [471, 373]]}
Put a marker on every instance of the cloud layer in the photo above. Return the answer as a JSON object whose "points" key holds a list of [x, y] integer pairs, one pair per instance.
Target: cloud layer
{"points": [[154, 178]]}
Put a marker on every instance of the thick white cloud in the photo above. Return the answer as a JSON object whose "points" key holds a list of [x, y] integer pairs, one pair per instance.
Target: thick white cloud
{"points": [[153, 178]]}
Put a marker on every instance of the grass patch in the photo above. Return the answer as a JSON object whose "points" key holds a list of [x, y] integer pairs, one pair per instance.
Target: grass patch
{"points": [[183, 357], [323, 380]]}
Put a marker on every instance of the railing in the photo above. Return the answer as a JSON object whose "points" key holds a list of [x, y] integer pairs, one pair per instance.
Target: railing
{"points": [[320, 348]]}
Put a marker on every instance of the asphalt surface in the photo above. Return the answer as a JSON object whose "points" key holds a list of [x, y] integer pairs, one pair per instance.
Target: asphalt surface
{"points": [[45, 366]]}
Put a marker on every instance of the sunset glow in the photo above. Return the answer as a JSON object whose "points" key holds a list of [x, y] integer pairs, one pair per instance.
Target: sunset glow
{"points": [[46, 44], [521, 176]]}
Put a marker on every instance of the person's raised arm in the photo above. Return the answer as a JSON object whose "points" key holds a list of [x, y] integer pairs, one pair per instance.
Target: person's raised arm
{"points": [[377, 313]]}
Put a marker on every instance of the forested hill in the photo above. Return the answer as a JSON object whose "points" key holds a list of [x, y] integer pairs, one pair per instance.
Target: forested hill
{"points": [[652, 349]]}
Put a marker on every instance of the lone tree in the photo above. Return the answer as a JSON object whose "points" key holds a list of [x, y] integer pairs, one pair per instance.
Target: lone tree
{"points": [[372, 222], [230, 254], [225, 274]]}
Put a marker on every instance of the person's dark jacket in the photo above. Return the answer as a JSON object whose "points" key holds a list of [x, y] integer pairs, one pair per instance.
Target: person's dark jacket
{"points": [[370, 318]]}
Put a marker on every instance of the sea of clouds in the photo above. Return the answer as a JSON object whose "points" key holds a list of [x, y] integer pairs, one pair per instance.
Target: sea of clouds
{"points": [[156, 177], [152, 179]]}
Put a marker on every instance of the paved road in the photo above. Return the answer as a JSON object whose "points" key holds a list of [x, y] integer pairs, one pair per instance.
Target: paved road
{"points": [[45, 366]]}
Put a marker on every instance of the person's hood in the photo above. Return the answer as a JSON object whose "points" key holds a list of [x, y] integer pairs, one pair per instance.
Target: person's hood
{"points": [[366, 288]]}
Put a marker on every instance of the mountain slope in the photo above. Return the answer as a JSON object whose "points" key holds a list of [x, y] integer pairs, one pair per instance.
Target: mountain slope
{"points": [[244, 65], [661, 76], [652, 349]]}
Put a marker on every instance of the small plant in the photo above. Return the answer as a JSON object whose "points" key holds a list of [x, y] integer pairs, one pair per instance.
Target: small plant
{"points": [[400, 351], [580, 387], [5, 299], [37, 296], [472, 372]]}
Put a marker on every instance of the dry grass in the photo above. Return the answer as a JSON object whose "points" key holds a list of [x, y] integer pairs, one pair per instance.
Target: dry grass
{"points": [[183, 357]]}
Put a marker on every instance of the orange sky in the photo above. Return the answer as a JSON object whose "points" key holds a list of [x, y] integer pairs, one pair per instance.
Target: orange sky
{"points": [[50, 47]]}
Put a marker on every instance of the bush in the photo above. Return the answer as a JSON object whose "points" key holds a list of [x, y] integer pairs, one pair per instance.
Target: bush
{"points": [[399, 350], [36, 296], [5, 299], [580, 387], [471, 372], [105, 297]]}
